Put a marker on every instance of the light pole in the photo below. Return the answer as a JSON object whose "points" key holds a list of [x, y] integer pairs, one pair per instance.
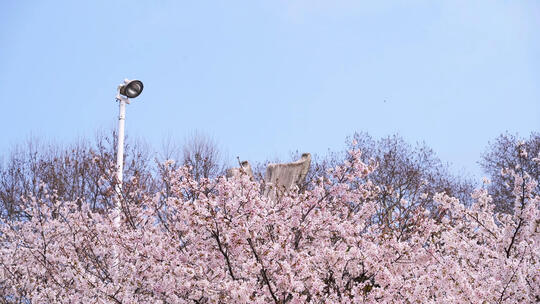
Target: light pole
{"points": [[128, 89]]}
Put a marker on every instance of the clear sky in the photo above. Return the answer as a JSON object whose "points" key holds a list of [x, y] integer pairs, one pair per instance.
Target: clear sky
{"points": [[268, 77]]}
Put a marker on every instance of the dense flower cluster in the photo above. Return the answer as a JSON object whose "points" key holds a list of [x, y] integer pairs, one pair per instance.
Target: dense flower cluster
{"points": [[223, 241]]}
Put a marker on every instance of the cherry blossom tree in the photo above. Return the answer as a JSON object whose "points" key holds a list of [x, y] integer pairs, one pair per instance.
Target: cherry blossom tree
{"points": [[509, 151], [226, 242]]}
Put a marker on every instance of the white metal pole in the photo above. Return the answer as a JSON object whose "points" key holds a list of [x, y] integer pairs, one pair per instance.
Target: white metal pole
{"points": [[120, 155], [119, 172]]}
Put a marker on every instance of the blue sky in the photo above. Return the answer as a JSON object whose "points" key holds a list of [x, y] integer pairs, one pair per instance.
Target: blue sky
{"points": [[268, 77]]}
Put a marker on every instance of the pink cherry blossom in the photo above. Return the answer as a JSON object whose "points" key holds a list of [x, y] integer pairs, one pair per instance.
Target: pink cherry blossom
{"points": [[226, 242]]}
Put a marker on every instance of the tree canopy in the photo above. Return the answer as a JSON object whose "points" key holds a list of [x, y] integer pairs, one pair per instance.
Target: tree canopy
{"points": [[221, 240]]}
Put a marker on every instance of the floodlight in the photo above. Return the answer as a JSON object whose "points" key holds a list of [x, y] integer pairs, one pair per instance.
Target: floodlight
{"points": [[131, 88]]}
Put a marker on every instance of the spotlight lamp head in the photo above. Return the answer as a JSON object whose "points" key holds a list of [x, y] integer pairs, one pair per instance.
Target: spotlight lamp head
{"points": [[131, 88]]}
